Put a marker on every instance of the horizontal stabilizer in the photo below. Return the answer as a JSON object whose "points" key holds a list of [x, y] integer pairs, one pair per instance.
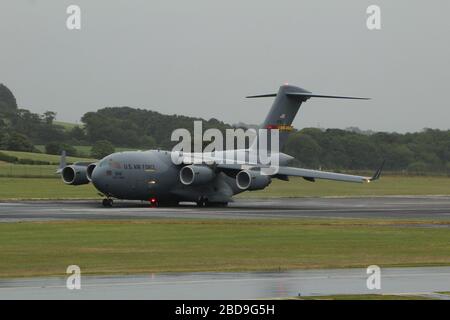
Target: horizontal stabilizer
{"points": [[311, 95], [263, 96], [306, 96]]}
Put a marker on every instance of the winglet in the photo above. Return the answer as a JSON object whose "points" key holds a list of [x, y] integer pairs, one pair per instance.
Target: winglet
{"points": [[62, 162], [377, 174]]}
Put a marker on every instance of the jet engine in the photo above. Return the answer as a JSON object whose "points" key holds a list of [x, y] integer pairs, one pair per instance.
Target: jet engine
{"points": [[74, 175], [252, 180], [195, 175], [90, 168]]}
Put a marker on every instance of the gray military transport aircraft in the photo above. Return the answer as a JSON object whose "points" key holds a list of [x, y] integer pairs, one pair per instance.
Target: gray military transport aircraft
{"points": [[153, 176]]}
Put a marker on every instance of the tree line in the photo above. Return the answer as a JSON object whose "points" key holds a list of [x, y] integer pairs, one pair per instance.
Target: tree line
{"points": [[330, 149], [425, 151]]}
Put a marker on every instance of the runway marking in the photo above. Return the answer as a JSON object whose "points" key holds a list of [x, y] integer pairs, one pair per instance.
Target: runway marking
{"points": [[246, 209], [212, 281]]}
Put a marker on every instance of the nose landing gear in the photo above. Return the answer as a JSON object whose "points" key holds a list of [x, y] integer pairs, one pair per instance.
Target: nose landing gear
{"points": [[108, 202], [204, 202], [153, 202]]}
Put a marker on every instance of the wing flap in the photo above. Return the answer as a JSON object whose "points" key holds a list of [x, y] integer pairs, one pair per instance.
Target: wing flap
{"points": [[307, 174], [317, 174]]}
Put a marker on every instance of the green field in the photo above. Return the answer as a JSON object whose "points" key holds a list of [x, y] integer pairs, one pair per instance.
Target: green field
{"points": [[52, 187], [67, 125], [82, 151], [146, 246], [43, 188], [27, 171], [33, 171], [387, 185], [85, 151], [42, 156]]}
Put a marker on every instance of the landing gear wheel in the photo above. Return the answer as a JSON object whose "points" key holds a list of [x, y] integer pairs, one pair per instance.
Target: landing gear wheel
{"points": [[202, 202], [154, 204], [107, 202]]}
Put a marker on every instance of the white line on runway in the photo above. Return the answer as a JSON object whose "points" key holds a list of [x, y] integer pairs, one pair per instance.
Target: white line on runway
{"points": [[210, 281]]}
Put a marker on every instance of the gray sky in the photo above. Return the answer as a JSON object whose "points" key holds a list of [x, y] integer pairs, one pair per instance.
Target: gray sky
{"points": [[200, 58]]}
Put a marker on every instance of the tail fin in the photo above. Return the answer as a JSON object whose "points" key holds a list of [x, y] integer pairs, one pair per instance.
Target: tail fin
{"points": [[285, 107], [62, 162]]}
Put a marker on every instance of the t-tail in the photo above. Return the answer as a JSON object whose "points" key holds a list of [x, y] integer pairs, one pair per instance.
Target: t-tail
{"points": [[285, 107]]}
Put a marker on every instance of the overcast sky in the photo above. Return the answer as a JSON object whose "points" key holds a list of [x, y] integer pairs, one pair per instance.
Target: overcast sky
{"points": [[201, 58]]}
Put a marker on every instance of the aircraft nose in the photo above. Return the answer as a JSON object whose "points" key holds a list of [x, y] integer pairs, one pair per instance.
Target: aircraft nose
{"points": [[95, 173], [96, 177]]}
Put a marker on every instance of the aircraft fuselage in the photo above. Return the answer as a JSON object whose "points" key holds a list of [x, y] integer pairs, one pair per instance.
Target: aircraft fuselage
{"points": [[142, 175]]}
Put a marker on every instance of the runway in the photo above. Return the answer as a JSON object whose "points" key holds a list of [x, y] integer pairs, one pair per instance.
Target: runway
{"points": [[211, 286], [431, 207], [245, 285]]}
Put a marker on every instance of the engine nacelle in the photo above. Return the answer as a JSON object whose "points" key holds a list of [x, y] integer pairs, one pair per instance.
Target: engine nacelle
{"points": [[90, 168], [252, 180], [195, 175], [74, 175]]}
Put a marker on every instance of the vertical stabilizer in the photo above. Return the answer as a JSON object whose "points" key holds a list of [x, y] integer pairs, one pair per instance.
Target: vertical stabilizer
{"points": [[62, 162], [283, 112], [285, 107]]}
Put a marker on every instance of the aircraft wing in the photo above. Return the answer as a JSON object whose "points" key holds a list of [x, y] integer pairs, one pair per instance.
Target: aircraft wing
{"points": [[311, 175], [307, 174]]}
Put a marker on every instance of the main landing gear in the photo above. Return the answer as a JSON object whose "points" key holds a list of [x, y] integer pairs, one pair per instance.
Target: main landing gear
{"points": [[204, 202], [108, 202]]}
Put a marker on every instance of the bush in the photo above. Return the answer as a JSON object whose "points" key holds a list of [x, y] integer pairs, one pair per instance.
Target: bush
{"points": [[57, 148], [34, 162], [8, 158], [417, 167], [53, 148], [101, 149], [19, 142]]}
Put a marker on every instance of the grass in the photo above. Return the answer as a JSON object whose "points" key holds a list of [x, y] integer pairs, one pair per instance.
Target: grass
{"points": [[51, 187], [42, 156], [85, 151], [82, 151], [40, 147], [67, 125], [146, 246], [43, 188], [26, 171], [387, 185]]}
